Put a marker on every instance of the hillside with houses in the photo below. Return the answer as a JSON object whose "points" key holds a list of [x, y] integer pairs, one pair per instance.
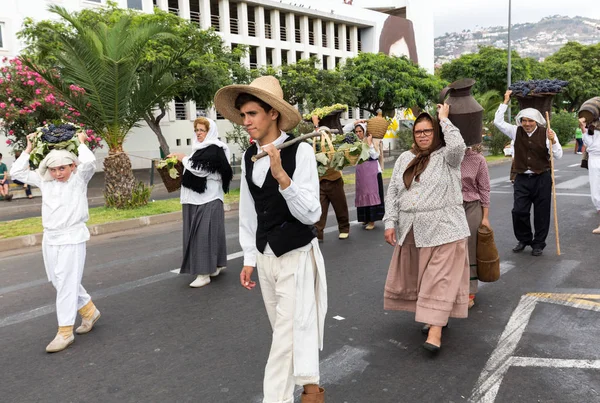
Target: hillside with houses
{"points": [[537, 40]]}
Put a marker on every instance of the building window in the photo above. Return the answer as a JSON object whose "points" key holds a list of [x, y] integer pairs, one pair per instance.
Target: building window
{"points": [[178, 142], [173, 6], [188, 142], [282, 27], [1, 35], [135, 4], [180, 110]]}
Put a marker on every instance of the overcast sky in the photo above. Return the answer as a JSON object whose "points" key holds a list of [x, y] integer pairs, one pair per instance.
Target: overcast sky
{"points": [[456, 15]]}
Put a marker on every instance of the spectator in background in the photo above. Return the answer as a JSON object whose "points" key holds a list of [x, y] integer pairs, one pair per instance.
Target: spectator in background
{"points": [[4, 181], [25, 186], [579, 140]]}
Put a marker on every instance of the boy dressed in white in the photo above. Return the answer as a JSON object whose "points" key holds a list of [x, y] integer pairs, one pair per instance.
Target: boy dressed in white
{"points": [[63, 179], [279, 205]]}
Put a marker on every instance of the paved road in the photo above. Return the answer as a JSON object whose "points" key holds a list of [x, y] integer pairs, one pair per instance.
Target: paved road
{"points": [[160, 341]]}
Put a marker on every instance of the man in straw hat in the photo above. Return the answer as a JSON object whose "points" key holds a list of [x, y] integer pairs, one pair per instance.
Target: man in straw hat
{"points": [[533, 181], [279, 203]]}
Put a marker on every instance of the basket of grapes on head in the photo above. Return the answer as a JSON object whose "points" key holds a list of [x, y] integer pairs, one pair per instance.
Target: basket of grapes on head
{"points": [[57, 135], [537, 94]]}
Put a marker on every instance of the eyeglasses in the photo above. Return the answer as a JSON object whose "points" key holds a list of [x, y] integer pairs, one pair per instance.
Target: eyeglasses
{"points": [[423, 133]]}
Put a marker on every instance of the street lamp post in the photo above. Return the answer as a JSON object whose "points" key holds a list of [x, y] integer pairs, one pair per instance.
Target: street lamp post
{"points": [[509, 55]]}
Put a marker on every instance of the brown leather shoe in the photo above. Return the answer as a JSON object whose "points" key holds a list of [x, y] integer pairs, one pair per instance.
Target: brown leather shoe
{"points": [[313, 397]]}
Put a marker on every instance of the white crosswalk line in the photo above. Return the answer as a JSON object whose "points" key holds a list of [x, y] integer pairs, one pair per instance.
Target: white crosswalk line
{"points": [[574, 183]]}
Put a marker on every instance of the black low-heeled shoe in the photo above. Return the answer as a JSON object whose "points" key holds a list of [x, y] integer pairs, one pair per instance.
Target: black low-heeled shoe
{"points": [[425, 328], [432, 348]]}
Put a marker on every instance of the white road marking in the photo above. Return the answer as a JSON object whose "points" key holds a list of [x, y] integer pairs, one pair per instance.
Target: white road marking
{"points": [[574, 183], [338, 317], [553, 363], [574, 165], [490, 379], [504, 192]]}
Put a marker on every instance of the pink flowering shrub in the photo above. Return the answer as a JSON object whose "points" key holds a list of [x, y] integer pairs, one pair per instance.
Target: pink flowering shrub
{"points": [[27, 102]]}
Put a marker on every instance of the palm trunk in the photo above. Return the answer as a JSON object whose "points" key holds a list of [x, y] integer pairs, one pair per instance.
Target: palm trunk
{"points": [[119, 181], [154, 124]]}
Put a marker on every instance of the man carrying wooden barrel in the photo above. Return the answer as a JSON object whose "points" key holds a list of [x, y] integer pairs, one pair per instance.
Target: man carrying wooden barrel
{"points": [[533, 182]]}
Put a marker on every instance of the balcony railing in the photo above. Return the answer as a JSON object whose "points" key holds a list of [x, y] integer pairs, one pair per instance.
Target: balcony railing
{"points": [[174, 10], [251, 28], [336, 42], [195, 17], [324, 39], [297, 36], [348, 45], [268, 31], [359, 46], [283, 33], [214, 22], [180, 111], [311, 38], [234, 26], [253, 65]]}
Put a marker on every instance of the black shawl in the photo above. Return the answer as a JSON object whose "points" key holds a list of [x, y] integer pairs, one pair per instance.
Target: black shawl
{"points": [[211, 159]]}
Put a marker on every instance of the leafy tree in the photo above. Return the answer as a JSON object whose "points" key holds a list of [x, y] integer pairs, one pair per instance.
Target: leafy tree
{"points": [[239, 136], [389, 82], [489, 67], [577, 64], [198, 60], [105, 61], [564, 125]]}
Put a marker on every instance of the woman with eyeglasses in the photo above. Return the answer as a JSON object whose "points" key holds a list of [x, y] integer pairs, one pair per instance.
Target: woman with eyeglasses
{"points": [[206, 177], [368, 181], [425, 222]]}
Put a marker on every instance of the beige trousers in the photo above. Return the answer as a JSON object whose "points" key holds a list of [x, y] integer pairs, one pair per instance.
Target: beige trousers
{"points": [[278, 286]]}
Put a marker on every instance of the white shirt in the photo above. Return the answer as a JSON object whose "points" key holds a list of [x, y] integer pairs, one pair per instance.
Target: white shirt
{"points": [[592, 143], [373, 153], [214, 186], [64, 204], [302, 196], [511, 131]]}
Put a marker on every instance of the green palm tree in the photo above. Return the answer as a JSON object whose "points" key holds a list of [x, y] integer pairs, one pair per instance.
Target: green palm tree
{"points": [[105, 62]]}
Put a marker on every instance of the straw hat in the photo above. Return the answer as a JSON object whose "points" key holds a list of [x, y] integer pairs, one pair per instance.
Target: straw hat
{"points": [[265, 88]]}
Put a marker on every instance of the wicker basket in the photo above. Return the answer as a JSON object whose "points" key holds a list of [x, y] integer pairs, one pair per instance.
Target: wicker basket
{"points": [[377, 126], [171, 184], [329, 150]]}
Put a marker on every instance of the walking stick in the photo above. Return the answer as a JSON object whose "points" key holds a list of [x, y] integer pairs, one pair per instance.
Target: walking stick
{"points": [[294, 141], [553, 189]]}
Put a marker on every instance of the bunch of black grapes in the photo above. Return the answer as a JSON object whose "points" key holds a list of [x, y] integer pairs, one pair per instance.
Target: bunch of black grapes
{"points": [[350, 138], [58, 133], [524, 88]]}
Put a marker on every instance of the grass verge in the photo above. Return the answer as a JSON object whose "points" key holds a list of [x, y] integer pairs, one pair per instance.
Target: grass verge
{"points": [[102, 215], [501, 157]]}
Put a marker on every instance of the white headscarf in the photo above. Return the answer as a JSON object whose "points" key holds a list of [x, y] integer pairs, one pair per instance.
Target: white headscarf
{"points": [[533, 114], [364, 127], [56, 158], [211, 139]]}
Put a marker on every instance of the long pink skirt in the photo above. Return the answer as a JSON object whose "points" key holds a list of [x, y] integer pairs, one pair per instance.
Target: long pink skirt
{"points": [[433, 282]]}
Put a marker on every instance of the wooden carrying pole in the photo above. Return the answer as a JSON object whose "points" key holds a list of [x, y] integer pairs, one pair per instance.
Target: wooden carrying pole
{"points": [[294, 141], [553, 189]]}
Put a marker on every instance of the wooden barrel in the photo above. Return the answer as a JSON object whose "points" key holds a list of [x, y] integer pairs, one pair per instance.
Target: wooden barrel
{"points": [[590, 110]]}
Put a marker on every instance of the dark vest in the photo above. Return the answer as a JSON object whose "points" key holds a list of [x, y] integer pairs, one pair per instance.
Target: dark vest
{"points": [[276, 224], [531, 153]]}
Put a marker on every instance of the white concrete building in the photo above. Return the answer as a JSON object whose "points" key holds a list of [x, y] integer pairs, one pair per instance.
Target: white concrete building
{"points": [[277, 32]]}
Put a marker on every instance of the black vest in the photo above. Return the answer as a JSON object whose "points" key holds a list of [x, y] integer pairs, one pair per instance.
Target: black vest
{"points": [[531, 153], [276, 224]]}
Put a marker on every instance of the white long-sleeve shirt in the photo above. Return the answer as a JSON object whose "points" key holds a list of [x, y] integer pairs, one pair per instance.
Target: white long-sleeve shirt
{"points": [[64, 204], [511, 131], [373, 151], [214, 186], [302, 196], [592, 143]]}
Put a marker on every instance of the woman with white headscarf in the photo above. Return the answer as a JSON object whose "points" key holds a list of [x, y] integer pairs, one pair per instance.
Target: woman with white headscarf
{"points": [[533, 181], [591, 140], [368, 200], [206, 178]]}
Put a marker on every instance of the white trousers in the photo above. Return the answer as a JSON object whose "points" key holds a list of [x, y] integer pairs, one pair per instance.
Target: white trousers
{"points": [[64, 267], [594, 172], [278, 286]]}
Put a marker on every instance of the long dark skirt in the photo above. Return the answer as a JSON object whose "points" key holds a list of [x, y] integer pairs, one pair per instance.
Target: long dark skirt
{"points": [[204, 247], [373, 213]]}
